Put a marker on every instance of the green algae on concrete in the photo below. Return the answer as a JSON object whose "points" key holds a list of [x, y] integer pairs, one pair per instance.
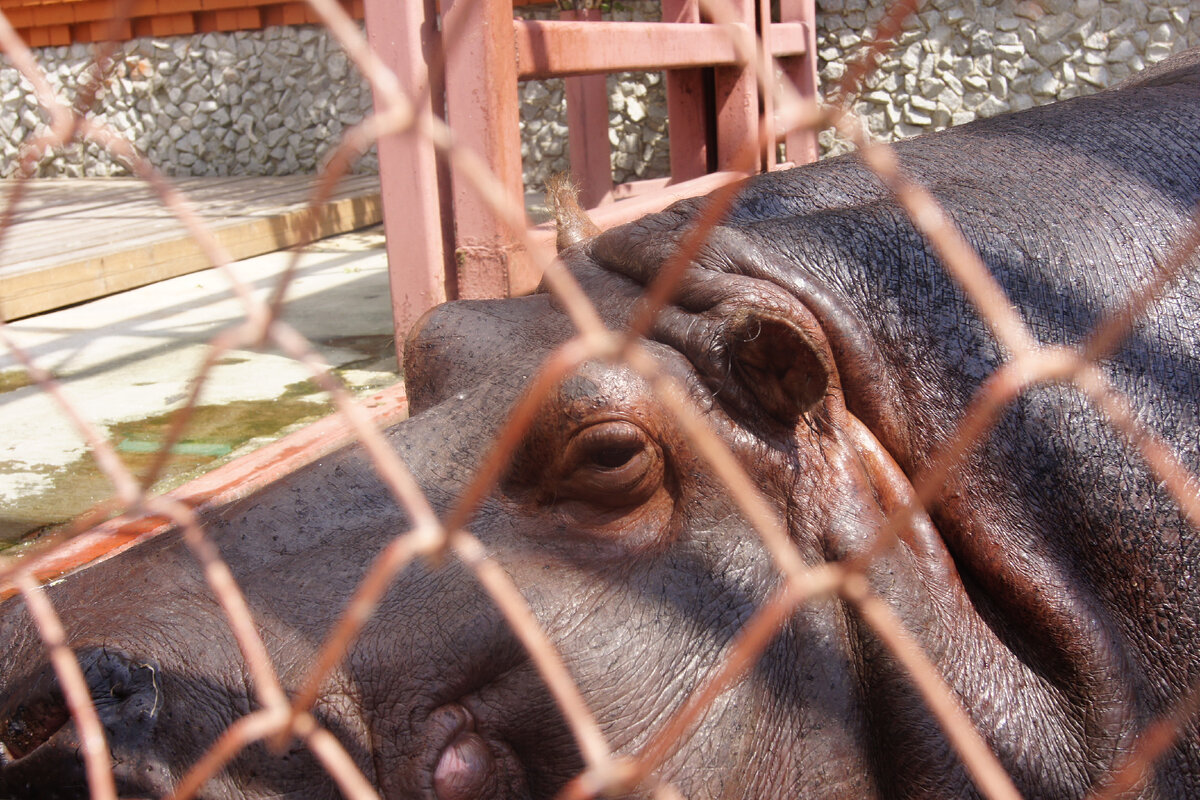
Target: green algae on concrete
{"points": [[13, 379], [300, 389], [214, 433]]}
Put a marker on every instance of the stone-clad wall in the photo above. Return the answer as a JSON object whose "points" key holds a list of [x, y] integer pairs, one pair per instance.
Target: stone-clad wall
{"points": [[961, 59], [266, 102], [272, 101]]}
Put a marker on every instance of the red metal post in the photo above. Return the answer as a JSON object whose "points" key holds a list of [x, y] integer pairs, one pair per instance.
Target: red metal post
{"points": [[415, 201], [481, 103], [587, 128], [737, 106], [686, 107], [769, 137], [802, 146]]}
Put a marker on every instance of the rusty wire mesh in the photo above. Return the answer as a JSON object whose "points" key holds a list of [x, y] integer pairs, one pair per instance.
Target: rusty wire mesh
{"points": [[1028, 364]]}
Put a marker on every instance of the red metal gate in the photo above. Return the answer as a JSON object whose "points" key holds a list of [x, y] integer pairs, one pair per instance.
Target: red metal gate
{"points": [[444, 241]]}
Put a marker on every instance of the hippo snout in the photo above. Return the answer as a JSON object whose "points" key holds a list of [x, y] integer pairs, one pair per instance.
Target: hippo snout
{"points": [[38, 737]]}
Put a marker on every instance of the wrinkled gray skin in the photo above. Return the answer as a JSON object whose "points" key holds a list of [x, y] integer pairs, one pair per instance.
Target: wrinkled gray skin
{"points": [[1055, 586]]}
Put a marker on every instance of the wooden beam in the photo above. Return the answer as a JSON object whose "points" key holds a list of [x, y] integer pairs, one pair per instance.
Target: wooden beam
{"points": [[802, 146], [737, 105], [157, 256]]}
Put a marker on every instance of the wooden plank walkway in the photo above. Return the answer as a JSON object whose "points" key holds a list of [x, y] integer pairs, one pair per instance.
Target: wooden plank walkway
{"points": [[75, 239]]}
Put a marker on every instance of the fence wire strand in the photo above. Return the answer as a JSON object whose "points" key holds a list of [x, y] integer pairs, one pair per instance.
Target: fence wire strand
{"points": [[1026, 364]]}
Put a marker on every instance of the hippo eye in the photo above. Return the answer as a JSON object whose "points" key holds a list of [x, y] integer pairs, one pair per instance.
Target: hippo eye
{"points": [[613, 463], [615, 457]]}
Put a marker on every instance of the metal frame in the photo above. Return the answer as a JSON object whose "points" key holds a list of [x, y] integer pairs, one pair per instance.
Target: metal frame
{"points": [[443, 242]]}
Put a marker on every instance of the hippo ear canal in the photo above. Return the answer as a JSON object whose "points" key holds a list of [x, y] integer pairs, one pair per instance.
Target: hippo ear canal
{"points": [[778, 363]]}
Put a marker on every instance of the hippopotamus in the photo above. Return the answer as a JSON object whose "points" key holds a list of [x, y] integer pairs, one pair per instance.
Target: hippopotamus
{"points": [[1051, 579]]}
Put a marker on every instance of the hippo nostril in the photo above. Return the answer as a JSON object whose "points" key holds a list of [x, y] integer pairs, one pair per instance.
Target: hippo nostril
{"points": [[464, 768], [33, 712], [465, 765], [31, 724], [125, 694]]}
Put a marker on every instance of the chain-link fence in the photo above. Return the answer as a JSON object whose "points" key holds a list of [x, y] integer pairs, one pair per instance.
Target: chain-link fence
{"points": [[284, 713]]}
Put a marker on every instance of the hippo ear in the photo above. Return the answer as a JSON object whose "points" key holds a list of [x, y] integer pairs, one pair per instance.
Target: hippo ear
{"points": [[571, 221], [780, 364]]}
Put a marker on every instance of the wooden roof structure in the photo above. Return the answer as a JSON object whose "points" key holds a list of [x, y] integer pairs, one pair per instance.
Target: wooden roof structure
{"points": [[48, 23]]}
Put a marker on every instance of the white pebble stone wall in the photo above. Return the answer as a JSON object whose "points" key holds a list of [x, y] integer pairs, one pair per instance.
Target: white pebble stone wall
{"points": [[273, 101], [269, 102], [957, 60]]}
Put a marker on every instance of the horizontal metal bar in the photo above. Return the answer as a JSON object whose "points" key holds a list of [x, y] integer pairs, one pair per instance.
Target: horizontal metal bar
{"points": [[789, 39], [624, 191], [610, 215], [550, 49]]}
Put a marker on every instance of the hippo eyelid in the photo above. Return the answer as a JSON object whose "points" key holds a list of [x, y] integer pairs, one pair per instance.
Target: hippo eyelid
{"points": [[602, 438], [614, 463]]}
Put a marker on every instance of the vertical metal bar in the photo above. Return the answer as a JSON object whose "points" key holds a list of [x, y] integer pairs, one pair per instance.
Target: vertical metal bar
{"points": [[802, 147], [405, 36], [769, 134], [737, 106], [687, 110], [481, 102], [587, 128]]}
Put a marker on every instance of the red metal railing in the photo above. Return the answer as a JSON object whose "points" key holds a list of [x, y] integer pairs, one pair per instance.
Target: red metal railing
{"points": [[730, 132]]}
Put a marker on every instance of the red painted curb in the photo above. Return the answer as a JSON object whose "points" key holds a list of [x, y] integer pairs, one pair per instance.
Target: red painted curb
{"points": [[222, 486]]}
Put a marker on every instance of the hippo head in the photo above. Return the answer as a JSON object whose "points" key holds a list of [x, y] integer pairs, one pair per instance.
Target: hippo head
{"points": [[635, 559]]}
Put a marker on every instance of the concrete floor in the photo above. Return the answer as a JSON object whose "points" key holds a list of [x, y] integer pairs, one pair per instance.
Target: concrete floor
{"points": [[127, 361]]}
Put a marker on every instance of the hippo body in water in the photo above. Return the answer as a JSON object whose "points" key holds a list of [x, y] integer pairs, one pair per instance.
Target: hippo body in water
{"points": [[1053, 584]]}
